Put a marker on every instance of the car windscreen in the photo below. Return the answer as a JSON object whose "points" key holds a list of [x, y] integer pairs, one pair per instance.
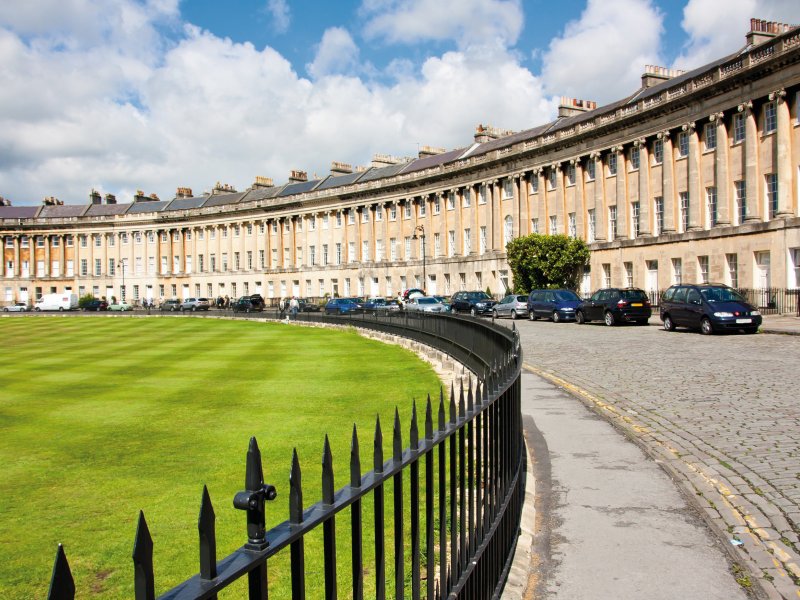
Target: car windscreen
{"points": [[566, 296], [479, 296], [427, 301], [633, 294], [721, 294]]}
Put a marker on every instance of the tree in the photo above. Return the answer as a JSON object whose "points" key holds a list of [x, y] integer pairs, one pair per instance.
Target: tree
{"points": [[546, 261]]}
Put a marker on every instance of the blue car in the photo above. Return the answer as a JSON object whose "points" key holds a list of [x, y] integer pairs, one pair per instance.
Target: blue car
{"points": [[558, 305], [343, 306], [711, 308]]}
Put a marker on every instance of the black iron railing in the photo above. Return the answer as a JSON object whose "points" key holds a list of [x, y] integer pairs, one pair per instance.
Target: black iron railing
{"points": [[473, 443]]}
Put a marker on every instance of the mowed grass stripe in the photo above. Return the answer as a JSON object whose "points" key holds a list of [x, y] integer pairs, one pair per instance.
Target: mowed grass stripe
{"points": [[101, 417]]}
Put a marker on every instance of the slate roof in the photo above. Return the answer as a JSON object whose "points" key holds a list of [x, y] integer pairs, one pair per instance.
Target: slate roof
{"points": [[61, 211], [222, 199], [381, 172], [18, 212], [338, 180], [184, 203], [432, 161], [298, 188], [147, 206], [106, 210]]}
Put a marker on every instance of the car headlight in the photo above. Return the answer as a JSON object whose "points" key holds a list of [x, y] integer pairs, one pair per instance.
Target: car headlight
{"points": [[754, 313], [567, 309], [480, 304], [723, 314]]}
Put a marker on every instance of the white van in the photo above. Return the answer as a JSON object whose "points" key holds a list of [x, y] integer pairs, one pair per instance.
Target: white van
{"points": [[62, 302]]}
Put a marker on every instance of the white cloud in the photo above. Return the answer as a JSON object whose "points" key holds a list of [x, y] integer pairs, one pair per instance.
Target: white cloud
{"points": [[336, 53], [715, 31], [281, 16], [602, 55], [466, 22]]}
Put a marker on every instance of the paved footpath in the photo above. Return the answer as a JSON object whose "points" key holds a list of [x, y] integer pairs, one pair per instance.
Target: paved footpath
{"points": [[720, 415]]}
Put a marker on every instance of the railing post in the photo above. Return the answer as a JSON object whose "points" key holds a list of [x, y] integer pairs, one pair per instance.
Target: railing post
{"points": [[62, 585], [144, 582], [208, 539]]}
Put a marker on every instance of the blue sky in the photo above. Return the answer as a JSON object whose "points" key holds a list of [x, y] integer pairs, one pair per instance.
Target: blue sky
{"points": [[121, 95]]}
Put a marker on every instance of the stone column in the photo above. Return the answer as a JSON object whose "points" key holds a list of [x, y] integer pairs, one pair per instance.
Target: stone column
{"points": [[490, 220], [580, 200], [600, 214], [47, 256], [668, 183], [524, 227], [721, 171], [560, 201], [644, 188], [696, 196], [516, 200], [784, 154], [62, 251], [622, 193], [754, 204]]}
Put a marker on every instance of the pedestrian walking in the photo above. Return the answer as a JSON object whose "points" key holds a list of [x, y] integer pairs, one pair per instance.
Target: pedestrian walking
{"points": [[294, 306]]}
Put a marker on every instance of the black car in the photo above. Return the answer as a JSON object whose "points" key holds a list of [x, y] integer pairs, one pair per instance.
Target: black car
{"points": [[307, 305], [559, 305], [246, 304], [475, 303], [96, 305], [710, 308], [615, 305], [257, 301]]}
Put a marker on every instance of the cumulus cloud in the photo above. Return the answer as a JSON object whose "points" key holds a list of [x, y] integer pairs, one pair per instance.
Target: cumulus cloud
{"points": [[601, 56], [281, 16], [715, 31], [466, 22], [337, 53]]}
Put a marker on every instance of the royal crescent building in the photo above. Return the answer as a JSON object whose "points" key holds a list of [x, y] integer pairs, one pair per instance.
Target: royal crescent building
{"points": [[694, 177]]}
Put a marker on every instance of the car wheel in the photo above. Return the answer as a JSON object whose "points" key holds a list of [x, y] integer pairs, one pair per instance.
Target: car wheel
{"points": [[37, 309], [531, 315], [194, 309], [473, 312], [60, 309], [609, 319], [247, 310], [494, 314], [513, 315], [579, 318], [6, 310], [706, 328], [556, 318], [669, 325]]}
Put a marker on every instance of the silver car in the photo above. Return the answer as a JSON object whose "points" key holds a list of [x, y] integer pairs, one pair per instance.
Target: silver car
{"points": [[513, 305], [16, 307], [426, 304]]}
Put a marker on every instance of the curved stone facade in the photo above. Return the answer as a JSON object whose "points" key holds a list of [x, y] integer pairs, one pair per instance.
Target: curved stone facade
{"points": [[693, 177]]}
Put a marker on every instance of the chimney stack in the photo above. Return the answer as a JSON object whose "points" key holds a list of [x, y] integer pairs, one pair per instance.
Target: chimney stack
{"points": [[298, 176], [111, 199], [263, 182], [486, 133], [340, 168], [52, 201], [94, 197], [653, 75], [762, 31], [425, 151], [223, 188], [569, 107], [184, 192]]}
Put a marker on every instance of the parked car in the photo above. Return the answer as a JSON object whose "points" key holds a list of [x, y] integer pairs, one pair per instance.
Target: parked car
{"points": [[60, 302], [475, 303], [120, 306], [16, 307], [388, 306], [257, 301], [710, 308], [246, 304], [426, 304], [412, 292], [342, 306], [96, 305], [195, 304], [615, 305], [170, 305], [444, 300], [513, 305], [559, 305], [307, 305]]}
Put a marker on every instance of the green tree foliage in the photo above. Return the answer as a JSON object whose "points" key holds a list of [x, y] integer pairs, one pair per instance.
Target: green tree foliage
{"points": [[546, 261], [84, 300]]}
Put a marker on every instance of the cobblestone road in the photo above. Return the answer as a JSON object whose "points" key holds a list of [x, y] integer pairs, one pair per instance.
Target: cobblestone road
{"points": [[721, 412]]}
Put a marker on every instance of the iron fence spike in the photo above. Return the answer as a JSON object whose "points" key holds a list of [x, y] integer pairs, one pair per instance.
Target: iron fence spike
{"points": [[414, 431], [461, 407], [441, 409], [62, 585], [452, 405], [428, 419], [327, 472], [254, 473], [397, 438], [206, 527], [377, 450], [355, 460], [295, 490], [470, 400], [144, 582]]}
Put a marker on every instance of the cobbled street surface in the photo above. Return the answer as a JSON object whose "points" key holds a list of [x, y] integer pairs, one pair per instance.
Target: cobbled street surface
{"points": [[722, 413]]}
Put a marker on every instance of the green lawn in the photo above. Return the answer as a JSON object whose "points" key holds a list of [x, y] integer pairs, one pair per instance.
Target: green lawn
{"points": [[101, 417]]}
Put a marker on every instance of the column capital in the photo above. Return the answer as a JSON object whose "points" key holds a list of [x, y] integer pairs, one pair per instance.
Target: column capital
{"points": [[555, 166], [664, 135], [690, 126], [779, 95], [538, 171], [615, 149], [594, 155], [640, 142], [717, 116], [745, 106]]}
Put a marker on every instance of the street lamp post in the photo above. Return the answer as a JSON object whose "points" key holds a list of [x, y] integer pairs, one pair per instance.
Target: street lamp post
{"points": [[121, 265], [421, 229]]}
